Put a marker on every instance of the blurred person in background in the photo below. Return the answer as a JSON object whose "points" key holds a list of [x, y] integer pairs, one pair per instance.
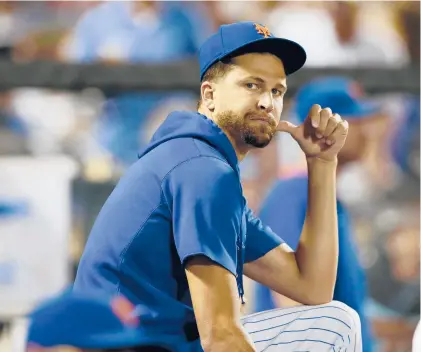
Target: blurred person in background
{"points": [[28, 32], [37, 27], [284, 209], [408, 23], [343, 33], [393, 275], [84, 323], [137, 32], [49, 116], [406, 139], [392, 253]]}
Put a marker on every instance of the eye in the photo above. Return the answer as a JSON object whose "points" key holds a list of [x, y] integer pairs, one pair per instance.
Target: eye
{"points": [[251, 85], [276, 92]]}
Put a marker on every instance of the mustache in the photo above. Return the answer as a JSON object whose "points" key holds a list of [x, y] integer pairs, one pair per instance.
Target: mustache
{"points": [[252, 115]]}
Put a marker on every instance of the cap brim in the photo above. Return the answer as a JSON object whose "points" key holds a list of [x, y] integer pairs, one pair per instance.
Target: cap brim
{"points": [[292, 55]]}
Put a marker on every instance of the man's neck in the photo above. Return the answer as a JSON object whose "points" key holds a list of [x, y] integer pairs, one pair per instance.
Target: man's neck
{"points": [[241, 152]]}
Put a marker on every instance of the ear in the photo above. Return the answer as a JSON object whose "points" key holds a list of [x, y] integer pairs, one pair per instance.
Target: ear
{"points": [[207, 90]]}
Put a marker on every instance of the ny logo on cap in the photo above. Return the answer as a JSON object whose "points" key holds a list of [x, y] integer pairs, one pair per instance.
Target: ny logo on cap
{"points": [[262, 30], [355, 90], [124, 309]]}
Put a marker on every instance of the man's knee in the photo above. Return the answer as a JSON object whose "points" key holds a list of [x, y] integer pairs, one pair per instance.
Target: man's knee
{"points": [[347, 314]]}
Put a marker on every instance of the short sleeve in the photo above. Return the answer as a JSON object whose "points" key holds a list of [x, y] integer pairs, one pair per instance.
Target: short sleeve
{"points": [[207, 208], [260, 239]]}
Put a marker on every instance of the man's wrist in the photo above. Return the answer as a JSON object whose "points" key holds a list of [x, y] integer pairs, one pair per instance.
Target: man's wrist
{"points": [[321, 171], [314, 162]]}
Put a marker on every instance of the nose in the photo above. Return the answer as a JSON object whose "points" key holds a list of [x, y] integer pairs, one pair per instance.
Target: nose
{"points": [[266, 102]]}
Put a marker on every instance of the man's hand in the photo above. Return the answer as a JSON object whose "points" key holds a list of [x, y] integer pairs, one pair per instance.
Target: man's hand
{"points": [[322, 135]]}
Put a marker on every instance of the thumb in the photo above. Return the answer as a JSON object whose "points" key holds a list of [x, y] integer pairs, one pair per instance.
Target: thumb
{"points": [[286, 126]]}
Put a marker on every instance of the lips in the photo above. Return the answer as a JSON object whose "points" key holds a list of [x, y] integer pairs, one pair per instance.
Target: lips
{"points": [[262, 119]]}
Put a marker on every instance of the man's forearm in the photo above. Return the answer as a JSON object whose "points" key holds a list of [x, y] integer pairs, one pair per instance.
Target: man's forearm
{"points": [[317, 252]]}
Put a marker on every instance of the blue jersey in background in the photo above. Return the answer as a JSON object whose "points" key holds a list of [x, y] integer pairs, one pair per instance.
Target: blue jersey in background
{"points": [[284, 210]]}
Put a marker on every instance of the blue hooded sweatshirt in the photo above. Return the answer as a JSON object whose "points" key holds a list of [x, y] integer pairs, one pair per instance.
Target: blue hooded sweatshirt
{"points": [[182, 198]]}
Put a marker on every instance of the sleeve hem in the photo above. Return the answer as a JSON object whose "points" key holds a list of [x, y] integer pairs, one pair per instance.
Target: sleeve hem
{"points": [[263, 252], [225, 263]]}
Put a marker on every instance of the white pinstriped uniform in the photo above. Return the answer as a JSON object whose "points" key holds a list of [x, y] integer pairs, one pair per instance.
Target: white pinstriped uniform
{"points": [[329, 327]]}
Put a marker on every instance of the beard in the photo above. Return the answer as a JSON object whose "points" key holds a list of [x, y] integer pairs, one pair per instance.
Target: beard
{"points": [[244, 130]]}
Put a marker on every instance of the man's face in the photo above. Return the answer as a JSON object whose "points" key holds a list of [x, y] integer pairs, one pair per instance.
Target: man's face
{"points": [[248, 100]]}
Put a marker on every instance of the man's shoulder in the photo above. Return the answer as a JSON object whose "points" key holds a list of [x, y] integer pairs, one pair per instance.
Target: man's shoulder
{"points": [[196, 146], [205, 168], [179, 151]]}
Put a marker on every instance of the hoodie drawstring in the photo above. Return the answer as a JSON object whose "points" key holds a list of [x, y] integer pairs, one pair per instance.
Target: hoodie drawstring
{"points": [[240, 264]]}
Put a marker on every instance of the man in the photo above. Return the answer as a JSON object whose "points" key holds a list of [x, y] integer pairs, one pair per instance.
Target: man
{"points": [[284, 210], [176, 235], [84, 322]]}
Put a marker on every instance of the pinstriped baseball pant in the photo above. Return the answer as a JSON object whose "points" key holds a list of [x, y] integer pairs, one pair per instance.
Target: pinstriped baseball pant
{"points": [[329, 327]]}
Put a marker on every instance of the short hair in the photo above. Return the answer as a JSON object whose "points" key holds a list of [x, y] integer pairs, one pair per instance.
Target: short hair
{"points": [[217, 71]]}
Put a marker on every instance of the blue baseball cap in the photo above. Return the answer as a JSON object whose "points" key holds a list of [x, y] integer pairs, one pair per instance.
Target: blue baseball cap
{"points": [[343, 95], [249, 37], [87, 321]]}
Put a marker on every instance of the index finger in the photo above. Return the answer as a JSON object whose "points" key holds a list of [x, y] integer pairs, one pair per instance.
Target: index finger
{"points": [[314, 115]]}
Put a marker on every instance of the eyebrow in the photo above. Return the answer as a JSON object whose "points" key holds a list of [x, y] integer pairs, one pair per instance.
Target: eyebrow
{"points": [[260, 80]]}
